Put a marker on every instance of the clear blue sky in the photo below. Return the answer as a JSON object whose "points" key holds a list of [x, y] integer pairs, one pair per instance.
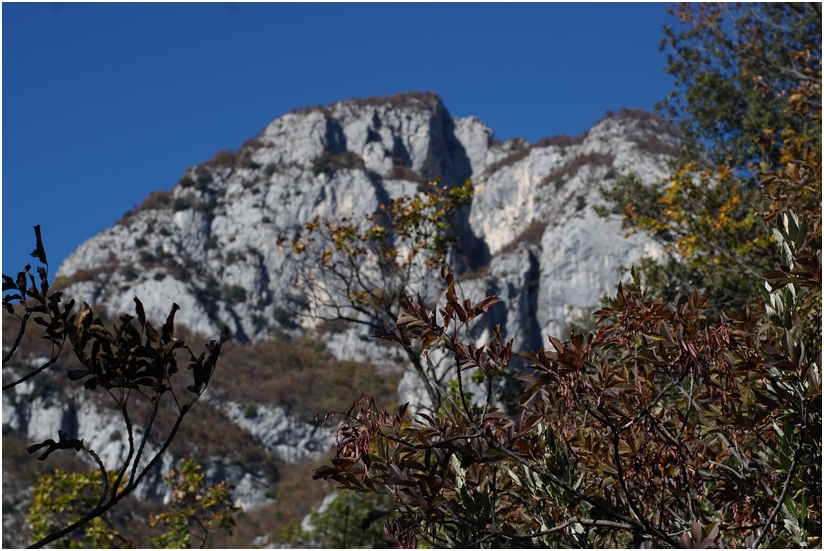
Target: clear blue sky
{"points": [[104, 103]]}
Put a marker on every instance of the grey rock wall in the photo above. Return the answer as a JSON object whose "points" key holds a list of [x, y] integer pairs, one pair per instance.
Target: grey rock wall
{"points": [[214, 251]]}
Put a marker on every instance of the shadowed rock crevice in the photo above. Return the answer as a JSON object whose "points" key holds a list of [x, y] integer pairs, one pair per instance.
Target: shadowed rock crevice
{"points": [[529, 305]]}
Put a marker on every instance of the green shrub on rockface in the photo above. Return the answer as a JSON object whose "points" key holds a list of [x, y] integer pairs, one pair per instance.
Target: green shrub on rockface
{"points": [[350, 520], [195, 509]]}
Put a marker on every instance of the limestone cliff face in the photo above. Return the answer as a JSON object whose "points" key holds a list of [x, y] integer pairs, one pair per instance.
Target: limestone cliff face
{"points": [[210, 244]]}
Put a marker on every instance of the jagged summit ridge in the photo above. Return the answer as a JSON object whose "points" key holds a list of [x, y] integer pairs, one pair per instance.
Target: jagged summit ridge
{"points": [[407, 130], [210, 243]]}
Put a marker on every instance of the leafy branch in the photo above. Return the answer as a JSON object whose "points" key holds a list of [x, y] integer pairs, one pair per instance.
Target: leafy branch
{"points": [[129, 363]]}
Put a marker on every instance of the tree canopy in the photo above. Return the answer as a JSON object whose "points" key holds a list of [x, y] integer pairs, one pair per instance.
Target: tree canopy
{"points": [[747, 99]]}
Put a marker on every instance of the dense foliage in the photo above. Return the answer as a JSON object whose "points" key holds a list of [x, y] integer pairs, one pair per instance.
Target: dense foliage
{"points": [[691, 416], [747, 99], [737, 68], [61, 499], [659, 428]]}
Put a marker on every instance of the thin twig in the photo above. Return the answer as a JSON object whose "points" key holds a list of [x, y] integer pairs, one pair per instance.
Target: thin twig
{"points": [[130, 431], [145, 437], [16, 342], [35, 372], [103, 473]]}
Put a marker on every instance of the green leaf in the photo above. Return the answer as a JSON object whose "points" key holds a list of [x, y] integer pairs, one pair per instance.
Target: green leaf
{"points": [[788, 502], [802, 235]]}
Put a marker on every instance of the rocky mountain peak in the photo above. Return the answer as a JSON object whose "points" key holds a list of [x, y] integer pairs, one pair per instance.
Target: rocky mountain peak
{"points": [[409, 135], [209, 244]]}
